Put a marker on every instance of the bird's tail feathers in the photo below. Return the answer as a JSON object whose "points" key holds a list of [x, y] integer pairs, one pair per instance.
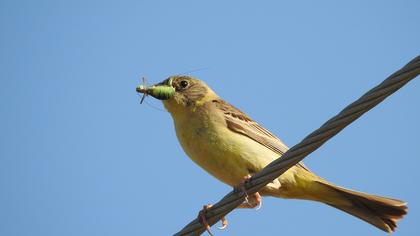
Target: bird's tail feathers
{"points": [[381, 212]]}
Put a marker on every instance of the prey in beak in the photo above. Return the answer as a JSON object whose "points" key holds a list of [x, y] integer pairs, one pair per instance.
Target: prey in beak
{"points": [[161, 91]]}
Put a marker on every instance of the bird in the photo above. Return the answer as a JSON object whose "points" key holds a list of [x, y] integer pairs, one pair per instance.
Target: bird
{"points": [[231, 146]]}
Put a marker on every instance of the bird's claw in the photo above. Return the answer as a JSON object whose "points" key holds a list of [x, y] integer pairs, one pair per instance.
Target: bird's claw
{"points": [[257, 201], [224, 224], [203, 220], [259, 205]]}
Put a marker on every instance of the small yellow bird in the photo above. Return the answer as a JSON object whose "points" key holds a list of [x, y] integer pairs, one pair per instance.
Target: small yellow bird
{"points": [[229, 145]]}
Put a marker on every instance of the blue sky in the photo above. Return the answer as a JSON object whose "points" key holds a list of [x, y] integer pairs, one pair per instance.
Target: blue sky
{"points": [[80, 156]]}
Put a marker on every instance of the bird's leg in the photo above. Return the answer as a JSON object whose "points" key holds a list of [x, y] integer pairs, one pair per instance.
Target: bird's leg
{"points": [[203, 220], [254, 201]]}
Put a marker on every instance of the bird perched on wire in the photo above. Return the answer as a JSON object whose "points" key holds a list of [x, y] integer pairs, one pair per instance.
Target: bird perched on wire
{"points": [[231, 146]]}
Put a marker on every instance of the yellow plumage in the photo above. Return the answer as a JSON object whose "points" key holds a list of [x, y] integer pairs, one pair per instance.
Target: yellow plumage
{"points": [[229, 145]]}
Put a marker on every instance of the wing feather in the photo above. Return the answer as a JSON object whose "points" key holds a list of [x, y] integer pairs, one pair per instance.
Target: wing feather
{"points": [[239, 122]]}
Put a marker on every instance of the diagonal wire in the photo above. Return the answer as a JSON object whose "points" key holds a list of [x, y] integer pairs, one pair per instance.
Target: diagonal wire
{"points": [[309, 144]]}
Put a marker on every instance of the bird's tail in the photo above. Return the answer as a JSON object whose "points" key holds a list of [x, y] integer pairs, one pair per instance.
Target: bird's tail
{"points": [[381, 212]]}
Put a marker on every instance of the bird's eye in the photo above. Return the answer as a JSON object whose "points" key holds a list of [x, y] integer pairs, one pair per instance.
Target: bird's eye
{"points": [[184, 83]]}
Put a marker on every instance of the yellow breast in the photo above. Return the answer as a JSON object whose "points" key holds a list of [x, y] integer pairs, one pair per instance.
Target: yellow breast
{"points": [[226, 155]]}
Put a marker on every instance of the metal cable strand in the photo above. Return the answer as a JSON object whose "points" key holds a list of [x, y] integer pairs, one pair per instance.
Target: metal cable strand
{"points": [[309, 144]]}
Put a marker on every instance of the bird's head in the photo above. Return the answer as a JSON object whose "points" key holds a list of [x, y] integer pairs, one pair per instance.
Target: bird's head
{"points": [[179, 92]]}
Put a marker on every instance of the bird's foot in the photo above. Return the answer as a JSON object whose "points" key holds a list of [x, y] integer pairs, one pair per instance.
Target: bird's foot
{"points": [[254, 201], [203, 220]]}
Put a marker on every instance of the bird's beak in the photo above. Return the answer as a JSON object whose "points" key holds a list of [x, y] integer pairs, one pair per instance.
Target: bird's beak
{"points": [[161, 91]]}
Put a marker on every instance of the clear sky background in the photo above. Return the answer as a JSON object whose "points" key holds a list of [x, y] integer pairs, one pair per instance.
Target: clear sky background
{"points": [[80, 156]]}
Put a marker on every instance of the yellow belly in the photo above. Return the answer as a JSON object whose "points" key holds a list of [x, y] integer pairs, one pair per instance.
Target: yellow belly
{"points": [[230, 156], [226, 155], [220, 153]]}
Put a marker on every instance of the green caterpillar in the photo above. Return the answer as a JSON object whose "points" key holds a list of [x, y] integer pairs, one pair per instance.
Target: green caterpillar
{"points": [[158, 91]]}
